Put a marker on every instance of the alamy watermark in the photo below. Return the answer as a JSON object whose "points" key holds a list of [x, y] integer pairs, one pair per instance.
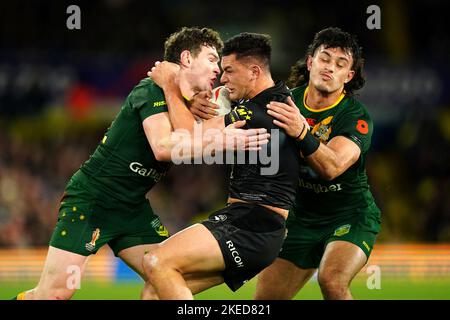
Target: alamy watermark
{"points": [[374, 280], [374, 20], [215, 146], [74, 279], [74, 20]]}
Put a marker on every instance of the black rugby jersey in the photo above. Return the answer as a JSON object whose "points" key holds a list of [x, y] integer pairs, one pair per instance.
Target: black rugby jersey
{"points": [[273, 178]]}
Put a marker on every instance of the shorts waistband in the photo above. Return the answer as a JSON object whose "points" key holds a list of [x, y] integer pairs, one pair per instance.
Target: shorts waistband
{"points": [[262, 209]]}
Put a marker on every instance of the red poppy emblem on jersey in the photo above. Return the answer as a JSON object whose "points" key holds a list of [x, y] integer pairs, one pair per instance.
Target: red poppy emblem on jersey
{"points": [[362, 126], [311, 121]]}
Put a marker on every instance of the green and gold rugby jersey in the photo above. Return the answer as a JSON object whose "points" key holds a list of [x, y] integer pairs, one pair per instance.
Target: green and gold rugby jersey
{"points": [[123, 168], [320, 201]]}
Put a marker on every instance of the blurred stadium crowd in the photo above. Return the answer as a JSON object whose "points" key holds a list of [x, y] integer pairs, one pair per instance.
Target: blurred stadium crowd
{"points": [[60, 89]]}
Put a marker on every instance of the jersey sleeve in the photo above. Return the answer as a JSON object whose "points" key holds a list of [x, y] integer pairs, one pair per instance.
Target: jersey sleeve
{"points": [[356, 125], [254, 115], [148, 99]]}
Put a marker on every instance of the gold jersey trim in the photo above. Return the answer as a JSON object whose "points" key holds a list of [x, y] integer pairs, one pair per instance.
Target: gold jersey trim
{"points": [[324, 108]]}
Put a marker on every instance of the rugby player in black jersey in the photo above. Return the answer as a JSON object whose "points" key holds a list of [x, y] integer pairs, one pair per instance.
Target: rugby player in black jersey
{"points": [[240, 240]]}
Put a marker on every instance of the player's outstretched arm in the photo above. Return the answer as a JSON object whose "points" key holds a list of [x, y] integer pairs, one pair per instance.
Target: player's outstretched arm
{"points": [[179, 145], [328, 160]]}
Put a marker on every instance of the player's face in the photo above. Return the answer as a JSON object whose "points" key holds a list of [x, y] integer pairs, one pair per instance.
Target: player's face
{"points": [[204, 69], [237, 77], [329, 69]]}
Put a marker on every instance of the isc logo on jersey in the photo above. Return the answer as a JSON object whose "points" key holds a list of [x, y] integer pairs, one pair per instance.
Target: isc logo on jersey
{"points": [[221, 97]]}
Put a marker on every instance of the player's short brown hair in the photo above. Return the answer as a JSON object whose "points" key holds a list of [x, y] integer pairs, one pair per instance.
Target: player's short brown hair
{"points": [[190, 39]]}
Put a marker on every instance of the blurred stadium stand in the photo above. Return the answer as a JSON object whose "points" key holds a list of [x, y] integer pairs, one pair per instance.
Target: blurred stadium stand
{"points": [[60, 89]]}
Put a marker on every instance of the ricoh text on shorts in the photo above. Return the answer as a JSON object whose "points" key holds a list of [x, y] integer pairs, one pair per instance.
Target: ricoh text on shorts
{"points": [[250, 238]]}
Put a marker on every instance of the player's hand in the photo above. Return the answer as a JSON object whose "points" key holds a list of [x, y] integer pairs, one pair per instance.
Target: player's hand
{"points": [[164, 73], [201, 107], [287, 116], [241, 139]]}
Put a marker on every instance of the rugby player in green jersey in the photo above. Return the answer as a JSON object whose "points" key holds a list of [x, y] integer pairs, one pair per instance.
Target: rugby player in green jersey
{"points": [[105, 200], [334, 222]]}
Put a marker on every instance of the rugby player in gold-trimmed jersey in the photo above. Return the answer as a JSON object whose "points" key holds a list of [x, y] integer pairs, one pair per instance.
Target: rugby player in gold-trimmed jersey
{"points": [[335, 220], [105, 200]]}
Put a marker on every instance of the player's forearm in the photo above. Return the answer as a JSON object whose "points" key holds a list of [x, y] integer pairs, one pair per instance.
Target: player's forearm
{"points": [[325, 162], [182, 146], [334, 158], [179, 114]]}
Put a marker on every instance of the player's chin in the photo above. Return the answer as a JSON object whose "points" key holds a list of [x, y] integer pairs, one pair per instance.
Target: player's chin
{"points": [[233, 95], [324, 87]]}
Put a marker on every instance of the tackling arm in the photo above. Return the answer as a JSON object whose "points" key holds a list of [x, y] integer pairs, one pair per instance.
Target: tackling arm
{"points": [[164, 74], [334, 158], [330, 160], [163, 140]]}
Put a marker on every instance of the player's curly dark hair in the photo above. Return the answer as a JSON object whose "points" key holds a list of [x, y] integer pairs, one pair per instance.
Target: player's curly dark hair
{"points": [[331, 38], [248, 44], [190, 39]]}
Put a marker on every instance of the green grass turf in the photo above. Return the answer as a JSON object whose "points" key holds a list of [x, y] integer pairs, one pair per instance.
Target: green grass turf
{"points": [[390, 289]]}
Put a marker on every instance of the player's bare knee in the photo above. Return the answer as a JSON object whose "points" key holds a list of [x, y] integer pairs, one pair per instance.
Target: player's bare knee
{"points": [[333, 281], [152, 263], [149, 293]]}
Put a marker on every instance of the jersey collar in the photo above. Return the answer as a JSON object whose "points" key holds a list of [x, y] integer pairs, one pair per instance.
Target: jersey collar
{"points": [[324, 108]]}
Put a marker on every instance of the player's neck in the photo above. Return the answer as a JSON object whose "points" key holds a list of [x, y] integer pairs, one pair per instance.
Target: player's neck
{"points": [[185, 87], [262, 84], [316, 99]]}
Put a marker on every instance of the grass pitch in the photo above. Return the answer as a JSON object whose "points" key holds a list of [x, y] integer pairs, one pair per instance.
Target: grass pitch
{"points": [[401, 289]]}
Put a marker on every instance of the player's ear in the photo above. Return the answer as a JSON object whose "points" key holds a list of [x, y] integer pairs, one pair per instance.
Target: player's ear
{"points": [[309, 62], [350, 76], [256, 71], [185, 58]]}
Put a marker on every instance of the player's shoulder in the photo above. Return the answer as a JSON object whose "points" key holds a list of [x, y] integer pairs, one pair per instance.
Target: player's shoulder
{"points": [[279, 92], [147, 91], [298, 92], [353, 106], [356, 104]]}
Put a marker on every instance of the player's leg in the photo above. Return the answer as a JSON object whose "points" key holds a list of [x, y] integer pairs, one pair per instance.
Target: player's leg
{"points": [[281, 280], [199, 282], [139, 231], [196, 282], [133, 258], [143, 237], [346, 252], [193, 250], [60, 277], [295, 265], [341, 261], [73, 240]]}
